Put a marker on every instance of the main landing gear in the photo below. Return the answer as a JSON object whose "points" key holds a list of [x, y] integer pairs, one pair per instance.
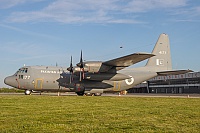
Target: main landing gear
{"points": [[81, 93], [27, 92], [88, 94], [97, 94]]}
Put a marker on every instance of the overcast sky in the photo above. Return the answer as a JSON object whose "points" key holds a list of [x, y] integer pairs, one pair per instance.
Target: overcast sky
{"points": [[46, 32]]}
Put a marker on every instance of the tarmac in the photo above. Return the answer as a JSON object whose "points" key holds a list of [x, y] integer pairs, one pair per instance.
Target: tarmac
{"points": [[115, 95]]}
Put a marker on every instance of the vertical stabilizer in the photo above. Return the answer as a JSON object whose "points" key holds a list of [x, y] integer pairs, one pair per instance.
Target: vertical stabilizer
{"points": [[162, 60]]}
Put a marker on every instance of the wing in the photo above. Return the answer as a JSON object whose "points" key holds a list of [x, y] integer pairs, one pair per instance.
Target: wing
{"points": [[175, 72], [128, 60]]}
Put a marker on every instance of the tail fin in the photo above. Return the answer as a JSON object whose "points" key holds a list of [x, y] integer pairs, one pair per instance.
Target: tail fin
{"points": [[162, 60]]}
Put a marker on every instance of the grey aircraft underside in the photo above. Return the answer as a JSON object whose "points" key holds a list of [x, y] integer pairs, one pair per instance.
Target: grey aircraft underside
{"points": [[96, 77]]}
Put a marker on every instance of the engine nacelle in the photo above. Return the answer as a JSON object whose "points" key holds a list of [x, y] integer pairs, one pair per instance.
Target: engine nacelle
{"points": [[93, 67]]}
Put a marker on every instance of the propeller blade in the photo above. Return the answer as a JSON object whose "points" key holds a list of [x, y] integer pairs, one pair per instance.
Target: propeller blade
{"points": [[70, 69], [82, 74], [81, 65], [71, 66], [81, 60]]}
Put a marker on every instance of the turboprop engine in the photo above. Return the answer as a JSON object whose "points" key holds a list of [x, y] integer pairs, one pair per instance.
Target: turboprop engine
{"points": [[93, 67]]}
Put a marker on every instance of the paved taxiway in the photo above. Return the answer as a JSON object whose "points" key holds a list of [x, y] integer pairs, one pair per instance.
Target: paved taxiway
{"points": [[116, 95]]}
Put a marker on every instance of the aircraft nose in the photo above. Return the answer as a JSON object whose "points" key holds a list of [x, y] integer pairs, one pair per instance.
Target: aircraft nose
{"points": [[10, 81], [7, 80]]}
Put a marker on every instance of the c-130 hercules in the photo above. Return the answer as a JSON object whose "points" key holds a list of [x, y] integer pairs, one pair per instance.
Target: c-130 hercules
{"points": [[96, 77]]}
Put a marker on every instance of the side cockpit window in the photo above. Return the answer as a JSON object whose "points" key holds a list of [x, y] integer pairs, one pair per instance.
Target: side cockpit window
{"points": [[16, 73]]}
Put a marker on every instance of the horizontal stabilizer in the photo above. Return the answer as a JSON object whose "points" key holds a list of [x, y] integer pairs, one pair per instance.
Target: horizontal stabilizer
{"points": [[175, 72], [128, 60]]}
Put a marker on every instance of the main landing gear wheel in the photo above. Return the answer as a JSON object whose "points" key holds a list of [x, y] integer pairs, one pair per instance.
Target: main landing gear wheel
{"points": [[89, 94], [97, 94], [80, 93], [27, 92]]}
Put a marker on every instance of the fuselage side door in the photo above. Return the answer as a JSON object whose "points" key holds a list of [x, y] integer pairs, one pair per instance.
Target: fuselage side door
{"points": [[116, 85], [38, 84]]}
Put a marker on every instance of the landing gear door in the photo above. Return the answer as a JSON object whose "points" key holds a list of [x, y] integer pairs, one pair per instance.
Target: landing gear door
{"points": [[38, 84]]}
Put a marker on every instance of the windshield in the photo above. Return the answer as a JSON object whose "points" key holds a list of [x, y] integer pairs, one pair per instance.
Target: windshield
{"points": [[16, 73], [21, 70]]}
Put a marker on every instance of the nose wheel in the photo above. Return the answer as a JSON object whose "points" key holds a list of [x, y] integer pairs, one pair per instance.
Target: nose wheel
{"points": [[27, 92]]}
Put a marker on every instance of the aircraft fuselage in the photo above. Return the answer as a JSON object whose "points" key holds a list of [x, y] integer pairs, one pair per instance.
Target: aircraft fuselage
{"points": [[57, 79]]}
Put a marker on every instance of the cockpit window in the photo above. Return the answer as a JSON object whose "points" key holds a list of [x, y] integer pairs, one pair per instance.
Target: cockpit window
{"points": [[23, 70], [16, 73]]}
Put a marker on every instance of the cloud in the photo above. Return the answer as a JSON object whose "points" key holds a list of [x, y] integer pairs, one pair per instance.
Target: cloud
{"points": [[28, 58], [28, 32], [11, 3], [188, 14], [90, 11], [146, 5], [19, 48], [18, 52], [195, 11]]}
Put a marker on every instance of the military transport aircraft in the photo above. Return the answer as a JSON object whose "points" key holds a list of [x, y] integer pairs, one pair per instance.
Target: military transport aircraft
{"points": [[96, 77]]}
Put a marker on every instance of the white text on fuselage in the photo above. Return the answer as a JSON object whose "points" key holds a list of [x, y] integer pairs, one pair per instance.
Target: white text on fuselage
{"points": [[51, 72]]}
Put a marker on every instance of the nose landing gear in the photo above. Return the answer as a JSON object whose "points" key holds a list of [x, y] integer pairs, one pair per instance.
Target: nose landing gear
{"points": [[27, 92]]}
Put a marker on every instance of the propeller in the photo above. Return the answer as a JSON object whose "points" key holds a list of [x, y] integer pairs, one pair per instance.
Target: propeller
{"points": [[70, 69], [81, 65]]}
